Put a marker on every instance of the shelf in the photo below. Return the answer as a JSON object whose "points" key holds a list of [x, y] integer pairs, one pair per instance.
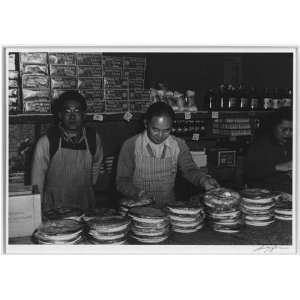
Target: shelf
{"points": [[204, 114]]}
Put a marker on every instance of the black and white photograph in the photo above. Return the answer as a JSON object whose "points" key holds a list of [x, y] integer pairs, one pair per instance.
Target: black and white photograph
{"points": [[150, 150]]}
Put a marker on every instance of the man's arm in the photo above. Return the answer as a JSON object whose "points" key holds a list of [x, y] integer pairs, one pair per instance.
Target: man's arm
{"points": [[40, 164], [190, 170], [97, 159], [125, 171]]}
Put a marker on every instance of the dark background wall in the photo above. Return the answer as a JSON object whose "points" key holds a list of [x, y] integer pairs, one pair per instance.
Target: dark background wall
{"points": [[200, 71], [268, 69]]}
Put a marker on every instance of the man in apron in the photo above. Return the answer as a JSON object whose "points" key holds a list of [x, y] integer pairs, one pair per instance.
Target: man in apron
{"points": [[148, 162], [64, 166]]}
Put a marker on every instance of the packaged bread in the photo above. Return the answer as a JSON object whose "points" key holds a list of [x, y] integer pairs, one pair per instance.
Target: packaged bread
{"points": [[13, 74], [35, 82], [12, 83], [35, 69], [12, 61], [62, 58], [35, 94], [42, 105], [33, 58], [13, 92]]}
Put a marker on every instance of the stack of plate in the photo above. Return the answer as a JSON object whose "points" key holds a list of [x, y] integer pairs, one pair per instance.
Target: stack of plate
{"points": [[108, 230], [185, 217], [61, 232], [222, 210], [126, 204], [108, 163], [284, 207], [64, 213], [149, 225], [258, 207]]}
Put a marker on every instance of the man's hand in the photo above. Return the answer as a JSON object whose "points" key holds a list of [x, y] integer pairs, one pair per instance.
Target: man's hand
{"points": [[143, 196], [210, 183]]}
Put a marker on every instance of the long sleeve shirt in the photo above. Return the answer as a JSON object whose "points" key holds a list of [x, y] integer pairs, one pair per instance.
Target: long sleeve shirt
{"points": [[262, 158], [41, 161], [126, 165]]}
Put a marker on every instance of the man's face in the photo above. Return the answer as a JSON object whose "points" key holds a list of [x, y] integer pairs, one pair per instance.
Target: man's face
{"points": [[159, 129], [283, 131], [72, 116]]}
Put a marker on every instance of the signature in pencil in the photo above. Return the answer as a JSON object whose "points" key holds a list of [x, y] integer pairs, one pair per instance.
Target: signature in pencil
{"points": [[269, 249]]}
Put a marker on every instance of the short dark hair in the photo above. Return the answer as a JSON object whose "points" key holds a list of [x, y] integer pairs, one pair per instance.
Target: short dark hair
{"points": [[282, 114], [159, 109], [66, 96]]}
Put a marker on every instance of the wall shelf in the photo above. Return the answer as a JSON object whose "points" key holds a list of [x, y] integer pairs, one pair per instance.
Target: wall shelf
{"points": [[203, 114]]}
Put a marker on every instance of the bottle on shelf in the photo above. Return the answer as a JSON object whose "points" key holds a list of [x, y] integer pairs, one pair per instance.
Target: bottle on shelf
{"points": [[254, 99], [223, 98], [287, 98], [233, 99], [267, 99], [211, 100], [244, 97], [276, 99]]}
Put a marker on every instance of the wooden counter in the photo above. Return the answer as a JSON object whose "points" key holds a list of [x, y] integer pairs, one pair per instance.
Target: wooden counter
{"points": [[278, 233]]}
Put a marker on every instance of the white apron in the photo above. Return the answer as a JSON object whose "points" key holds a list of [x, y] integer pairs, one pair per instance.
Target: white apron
{"points": [[156, 176], [69, 179]]}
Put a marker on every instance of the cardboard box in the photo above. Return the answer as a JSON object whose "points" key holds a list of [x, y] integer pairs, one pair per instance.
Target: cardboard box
{"points": [[56, 70], [92, 95], [116, 95], [64, 83], [200, 158], [91, 59], [89, 71], [222, 157], [25, 215], [90, 83], [116, 83], [112, 72]]}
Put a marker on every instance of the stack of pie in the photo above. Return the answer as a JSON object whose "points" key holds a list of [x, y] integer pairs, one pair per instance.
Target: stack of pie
{"points": [[258, 206], [222, 210], [64, 213], [284, 207], [149, 225], [185, 217], [60, 232], [126, 204], [108, 230]]}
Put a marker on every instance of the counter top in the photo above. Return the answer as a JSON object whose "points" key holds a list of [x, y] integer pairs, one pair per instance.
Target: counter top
{"points": [[278, 233]]}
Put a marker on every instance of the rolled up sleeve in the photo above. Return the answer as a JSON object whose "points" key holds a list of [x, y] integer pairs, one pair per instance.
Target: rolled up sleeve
{"points": [[40, 164], [97, 159], [125, 170], [187, 166]]}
